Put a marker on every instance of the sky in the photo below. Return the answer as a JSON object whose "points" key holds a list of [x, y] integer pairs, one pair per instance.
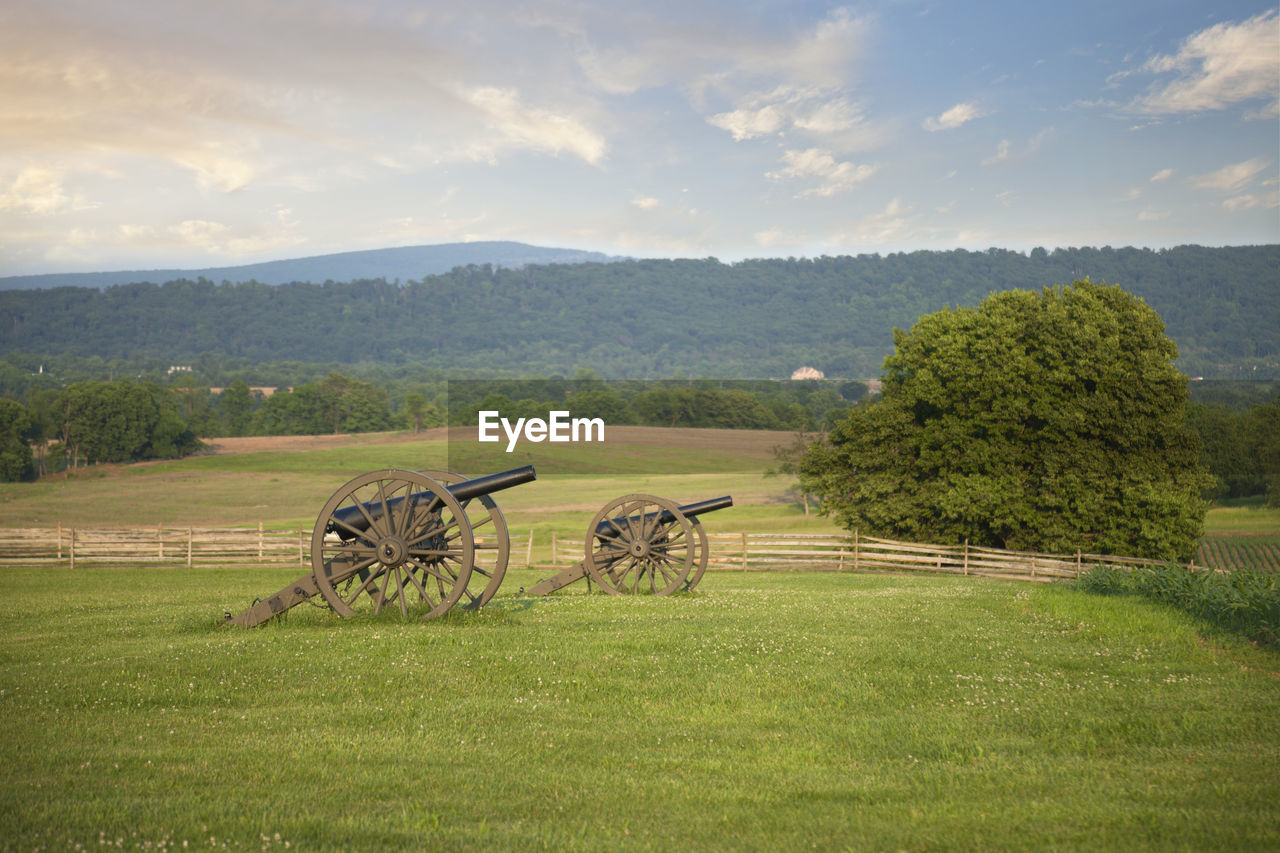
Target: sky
{"points": [[145, 134]]}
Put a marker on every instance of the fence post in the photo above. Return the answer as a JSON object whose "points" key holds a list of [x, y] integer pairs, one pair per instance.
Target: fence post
{"points": [[744, 550], [1077, 564], [966, 556], [259, 541], [59, 540], [855, 550], [160, 539], [189, 547], [301, 559], [73, 547], [554, 556], [528, 553]]}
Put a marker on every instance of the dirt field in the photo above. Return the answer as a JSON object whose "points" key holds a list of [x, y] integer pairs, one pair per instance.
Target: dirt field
{"points": [[750, 444]]}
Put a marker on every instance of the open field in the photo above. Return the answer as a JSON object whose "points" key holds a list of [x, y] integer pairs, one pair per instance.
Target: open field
{"points": [[283, 482], [766, 711]]}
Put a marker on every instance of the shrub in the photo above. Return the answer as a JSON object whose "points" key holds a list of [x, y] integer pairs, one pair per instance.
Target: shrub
{"points": [[1244, 601]]}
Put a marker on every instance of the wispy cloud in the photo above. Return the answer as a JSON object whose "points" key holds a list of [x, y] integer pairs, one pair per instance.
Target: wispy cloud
{"points": [[1231, 178], [1162, 175], [835, 176], [1005, 150], [645, 202], [954, 117], [1226, 64]]}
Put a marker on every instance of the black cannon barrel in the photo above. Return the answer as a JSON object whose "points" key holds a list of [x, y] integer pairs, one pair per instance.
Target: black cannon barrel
{"points": [[353, 519], [606, 530]]}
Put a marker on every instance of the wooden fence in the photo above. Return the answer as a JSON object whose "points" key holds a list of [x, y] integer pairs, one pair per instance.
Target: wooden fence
{"points": [[173, 545], [729, 551], [819, 552]]}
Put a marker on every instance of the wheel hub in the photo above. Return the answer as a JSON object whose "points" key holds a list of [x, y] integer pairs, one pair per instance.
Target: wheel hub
{"points": [[392, 551], [639, 548]]}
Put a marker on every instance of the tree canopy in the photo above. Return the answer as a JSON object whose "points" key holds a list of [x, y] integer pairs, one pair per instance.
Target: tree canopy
{"points": [[1048, 421]]}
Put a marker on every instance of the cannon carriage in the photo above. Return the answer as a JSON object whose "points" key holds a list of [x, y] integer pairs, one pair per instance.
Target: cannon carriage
{"points": [[425, 542]]}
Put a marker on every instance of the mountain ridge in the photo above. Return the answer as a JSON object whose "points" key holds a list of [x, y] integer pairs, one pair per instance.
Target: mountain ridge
{"points": [[396, 263]]}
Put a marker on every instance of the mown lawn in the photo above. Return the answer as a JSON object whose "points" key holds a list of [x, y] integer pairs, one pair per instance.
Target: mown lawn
{"points": [[764, 712]]}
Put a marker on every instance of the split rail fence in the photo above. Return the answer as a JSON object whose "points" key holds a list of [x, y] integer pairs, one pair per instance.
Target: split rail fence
{"points": [[729, 551]]}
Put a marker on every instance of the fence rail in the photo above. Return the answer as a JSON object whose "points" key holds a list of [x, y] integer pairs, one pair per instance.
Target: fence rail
{"points": [[729, 551]]}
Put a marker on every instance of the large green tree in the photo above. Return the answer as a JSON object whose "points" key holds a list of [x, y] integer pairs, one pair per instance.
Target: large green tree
{"points": [[1049, 420], [17, 428]]}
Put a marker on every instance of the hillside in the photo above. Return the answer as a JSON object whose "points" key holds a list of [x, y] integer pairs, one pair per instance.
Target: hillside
{"points": [[649, 318], [408, 262]]}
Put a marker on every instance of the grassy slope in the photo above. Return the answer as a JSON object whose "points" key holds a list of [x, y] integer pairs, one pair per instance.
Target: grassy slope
{"points": [[765, 712]]}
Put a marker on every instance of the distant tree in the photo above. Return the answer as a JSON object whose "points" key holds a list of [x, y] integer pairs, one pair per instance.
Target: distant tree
{"points": [[421, 412], [1038, 421], [16, 431], [237, 405], [1265, 423]]}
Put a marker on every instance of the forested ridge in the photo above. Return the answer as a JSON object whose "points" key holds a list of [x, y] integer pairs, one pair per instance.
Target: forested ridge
{"points": [[650, 318]]}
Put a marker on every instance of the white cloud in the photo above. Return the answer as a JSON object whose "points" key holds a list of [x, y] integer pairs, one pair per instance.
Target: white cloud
{"points": [[524, 127], [816, 111], [954, 117], [889, 224], [1006, 152], [1002, 154], [749, 123], [1233, 177], [1222, 65], [1152, 214], [645, 202], [836, 175], [1245, 202], [1162, 175], [35, 190]]}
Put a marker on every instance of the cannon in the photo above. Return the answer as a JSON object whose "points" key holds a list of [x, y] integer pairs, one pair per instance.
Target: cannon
{"points": [[425, 542], [642, 543], [405, 539]]}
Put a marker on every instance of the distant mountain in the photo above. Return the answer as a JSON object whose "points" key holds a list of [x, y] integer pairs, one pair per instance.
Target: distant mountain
{"points": [[645, 318], [404, 264]]}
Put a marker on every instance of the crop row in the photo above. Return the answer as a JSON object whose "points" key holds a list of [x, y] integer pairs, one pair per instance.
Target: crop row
{"points": [[1240, 552]]}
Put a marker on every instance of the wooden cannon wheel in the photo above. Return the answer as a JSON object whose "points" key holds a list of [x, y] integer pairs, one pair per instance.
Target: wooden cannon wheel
{"points": [[703, 554], [640, 543], [392, 538], [492, 541]]}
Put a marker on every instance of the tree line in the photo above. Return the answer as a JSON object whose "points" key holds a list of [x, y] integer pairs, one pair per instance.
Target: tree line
{"points": [[85, 423], [647, 318]]}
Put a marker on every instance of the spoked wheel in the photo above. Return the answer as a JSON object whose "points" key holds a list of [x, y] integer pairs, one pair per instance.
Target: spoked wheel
{"points": [[640, 544], [392, 538], [492, 541], [700, 558]]}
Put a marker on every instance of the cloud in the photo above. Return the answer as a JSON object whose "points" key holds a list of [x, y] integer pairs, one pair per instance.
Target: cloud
{"points": [[954, 117], [816, 111], [1223, 65], [888, 224], [645, 202], [747, 123], [35, 190], [1151, 214], [1231, 178], [1006, 152], [523, 127], [1002, 154], [1162, 175], [836, 176]]}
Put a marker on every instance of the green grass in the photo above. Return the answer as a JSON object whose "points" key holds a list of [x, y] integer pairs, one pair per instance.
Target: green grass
{"points": [[1244, 601], [766, 712]]}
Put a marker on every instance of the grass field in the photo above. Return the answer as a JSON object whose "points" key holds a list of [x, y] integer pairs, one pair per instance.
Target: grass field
{"points": [[764, 712]]}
